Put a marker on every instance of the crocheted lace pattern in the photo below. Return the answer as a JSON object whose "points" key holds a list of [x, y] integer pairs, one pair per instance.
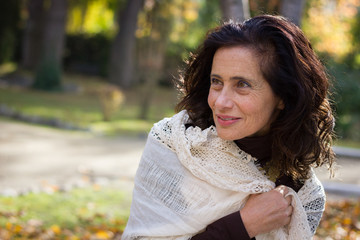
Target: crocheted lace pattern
{"points": [[189, 178]]}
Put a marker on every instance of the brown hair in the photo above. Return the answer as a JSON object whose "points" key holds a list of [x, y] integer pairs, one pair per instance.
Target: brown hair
{"points": [[302, 133]]}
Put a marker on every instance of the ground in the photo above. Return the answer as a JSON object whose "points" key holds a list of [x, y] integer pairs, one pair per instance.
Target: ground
{"points": [[33, 158]]}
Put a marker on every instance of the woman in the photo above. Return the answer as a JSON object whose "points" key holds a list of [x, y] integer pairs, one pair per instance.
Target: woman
{"points": [[236, 161]]}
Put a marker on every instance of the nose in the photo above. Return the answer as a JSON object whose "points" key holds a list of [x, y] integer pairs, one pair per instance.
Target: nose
{"points": [[224, 100]]}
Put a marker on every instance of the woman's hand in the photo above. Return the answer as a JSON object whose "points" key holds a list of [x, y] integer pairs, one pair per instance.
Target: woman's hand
{"points": [[266, 211]]}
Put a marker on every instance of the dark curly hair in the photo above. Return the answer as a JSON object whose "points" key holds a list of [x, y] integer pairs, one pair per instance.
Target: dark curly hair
{"points": [[302, 133]]}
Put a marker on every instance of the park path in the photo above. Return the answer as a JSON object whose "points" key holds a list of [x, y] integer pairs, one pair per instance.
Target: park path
{"points": [[35, 158]]}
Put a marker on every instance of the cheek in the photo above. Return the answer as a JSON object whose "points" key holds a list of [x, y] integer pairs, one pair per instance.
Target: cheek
{"points": [[247, 105], [255, 110], [264, 110]]}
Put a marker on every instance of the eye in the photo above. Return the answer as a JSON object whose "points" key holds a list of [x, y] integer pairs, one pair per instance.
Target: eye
{"points": [[215, 81], [242, 84]]}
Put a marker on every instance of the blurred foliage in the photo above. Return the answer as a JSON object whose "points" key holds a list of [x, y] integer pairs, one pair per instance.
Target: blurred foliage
{"points": [[346, 95], [95, 212], [92, 16], [111, 98], [190, 21], [328, 26], [264, 6], [190, 30], [340, 221], [333, 28], [354, 57]]}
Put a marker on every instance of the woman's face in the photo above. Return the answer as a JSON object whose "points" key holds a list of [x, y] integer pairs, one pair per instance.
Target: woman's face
{"points": [[242, 101]]}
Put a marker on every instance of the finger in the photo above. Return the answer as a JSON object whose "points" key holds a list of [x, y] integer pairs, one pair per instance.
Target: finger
{"points": [[282, 189], [288, 198], [287, 215], [287, 220], [289, 211]]}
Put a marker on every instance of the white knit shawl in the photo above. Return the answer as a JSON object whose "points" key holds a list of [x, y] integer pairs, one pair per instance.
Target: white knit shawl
{"points": [[189, 178]]}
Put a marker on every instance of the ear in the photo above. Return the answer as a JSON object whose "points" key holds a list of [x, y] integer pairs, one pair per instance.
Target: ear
{"points": [[281, 105]]}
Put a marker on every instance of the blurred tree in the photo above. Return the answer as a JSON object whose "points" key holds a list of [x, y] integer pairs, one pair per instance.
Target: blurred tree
{"points": [[54, 32], [90, 30], [190, 22], [293, 10], [33, 34], [87, 53], [237, 10], [156, 22], [78, 10], [9, 21], [92, 16], [49, 69], [48, 74], [354, 56], [258, 7], [44, 33], [121, 64], [327, 24]]}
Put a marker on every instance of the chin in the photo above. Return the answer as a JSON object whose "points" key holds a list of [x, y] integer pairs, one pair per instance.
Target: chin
{"points": [[227, 136]]}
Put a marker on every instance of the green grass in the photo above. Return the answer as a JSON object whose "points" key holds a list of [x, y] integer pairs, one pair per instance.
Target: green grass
{"points": [[77, 109], [83, 109], [87, 213], [68, 210]]}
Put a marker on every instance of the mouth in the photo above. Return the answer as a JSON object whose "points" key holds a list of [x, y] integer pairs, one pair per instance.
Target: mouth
{"points": [[225, 120]]}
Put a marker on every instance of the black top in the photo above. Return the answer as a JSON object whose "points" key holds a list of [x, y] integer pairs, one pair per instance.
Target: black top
{"points": [[231, 226]]}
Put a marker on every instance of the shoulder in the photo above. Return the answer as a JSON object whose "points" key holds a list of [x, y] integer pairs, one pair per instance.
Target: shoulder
{"points": [[313, 199], [166, 130], [313, 191], [170, 124]]}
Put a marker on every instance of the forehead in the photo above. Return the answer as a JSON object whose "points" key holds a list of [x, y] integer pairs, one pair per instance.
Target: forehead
{"points": [[236, 59]]}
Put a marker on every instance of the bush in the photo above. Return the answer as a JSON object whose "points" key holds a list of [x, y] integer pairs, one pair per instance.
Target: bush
{"points": [[111, 98]]}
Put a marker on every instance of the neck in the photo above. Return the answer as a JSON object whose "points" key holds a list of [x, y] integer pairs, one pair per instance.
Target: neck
{"points": [[257, 146]]}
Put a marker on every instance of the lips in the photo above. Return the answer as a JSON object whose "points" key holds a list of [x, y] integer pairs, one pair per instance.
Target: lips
{"points": [[225, 120]]}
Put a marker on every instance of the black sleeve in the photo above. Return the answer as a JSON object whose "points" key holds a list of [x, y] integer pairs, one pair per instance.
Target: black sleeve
{"points": [[229, 227]]}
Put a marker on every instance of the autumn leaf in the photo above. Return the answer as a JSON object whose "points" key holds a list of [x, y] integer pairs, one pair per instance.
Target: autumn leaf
{"points": [[340, 221], [56, 229], [104, 235]]}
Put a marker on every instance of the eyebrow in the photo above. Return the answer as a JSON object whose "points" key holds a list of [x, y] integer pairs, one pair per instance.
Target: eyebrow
{"points": [[234, 78]]}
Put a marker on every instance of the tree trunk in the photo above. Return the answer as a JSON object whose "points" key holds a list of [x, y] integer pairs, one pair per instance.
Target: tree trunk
{"points": [[54, 32], [237, 10], [33, 35], [49, 69], [293, 10], [122, 53]]}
